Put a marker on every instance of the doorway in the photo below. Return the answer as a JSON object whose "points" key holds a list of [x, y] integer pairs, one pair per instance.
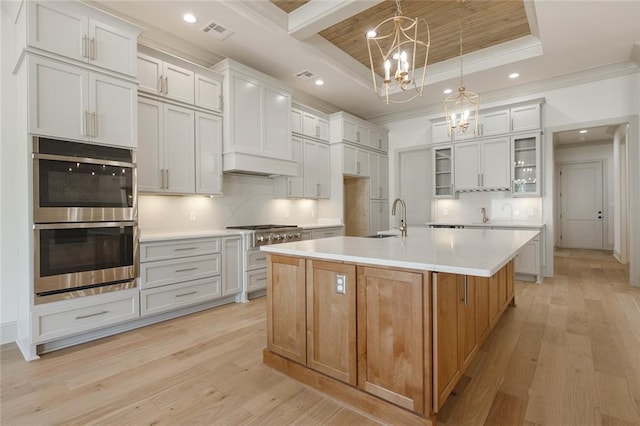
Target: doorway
{"points": [[581, 205]]}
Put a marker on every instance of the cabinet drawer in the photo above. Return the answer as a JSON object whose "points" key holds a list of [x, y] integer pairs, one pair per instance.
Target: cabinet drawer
{"points": [[256, 259], [59, 320], [256, 280], [155, 274], [165, 250], [326, 233], [174, 296]]}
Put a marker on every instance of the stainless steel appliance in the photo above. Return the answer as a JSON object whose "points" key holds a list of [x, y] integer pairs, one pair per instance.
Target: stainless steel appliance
{"points": [[80, 259], [255, 262], [79, 182], [271, 234]]}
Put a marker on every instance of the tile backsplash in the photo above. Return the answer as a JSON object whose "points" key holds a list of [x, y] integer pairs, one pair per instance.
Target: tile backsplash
{"points": [[247, 200], [500, 206]]}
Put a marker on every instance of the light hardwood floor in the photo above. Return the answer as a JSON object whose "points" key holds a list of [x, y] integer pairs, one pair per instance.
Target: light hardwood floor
{"points": [[568, 354]]}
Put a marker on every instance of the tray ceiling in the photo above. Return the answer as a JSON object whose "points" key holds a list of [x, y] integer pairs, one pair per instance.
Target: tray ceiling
{"points": [[486, 23]]}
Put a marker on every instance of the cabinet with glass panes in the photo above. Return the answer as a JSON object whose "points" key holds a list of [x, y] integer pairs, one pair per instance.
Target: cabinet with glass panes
{"points": [[443, 172], [525, 152]]}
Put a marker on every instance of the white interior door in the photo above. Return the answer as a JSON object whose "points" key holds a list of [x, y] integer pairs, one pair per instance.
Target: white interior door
{"points": [[581, 204], [414, 186]]}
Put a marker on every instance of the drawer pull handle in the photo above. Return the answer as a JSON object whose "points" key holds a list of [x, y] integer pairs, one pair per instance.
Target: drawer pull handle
{"points": [[186, 269], [261, 279], [91, 315], [186, 294], [260, 259], [185, 248]]}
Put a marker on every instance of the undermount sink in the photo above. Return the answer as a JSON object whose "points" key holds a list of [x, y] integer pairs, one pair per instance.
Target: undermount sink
{"points": [[379, 236]]}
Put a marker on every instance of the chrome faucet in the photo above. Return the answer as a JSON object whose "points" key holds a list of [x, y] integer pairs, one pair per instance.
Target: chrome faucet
{"points": [[403, 220], [485, 218]]}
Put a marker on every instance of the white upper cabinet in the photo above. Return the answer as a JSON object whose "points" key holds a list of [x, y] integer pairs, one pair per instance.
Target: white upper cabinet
{"points": [[71, 102], [208, 153], [81, 33], [168, 77], [355, 161], [493, 123], [378, 176], [347, 128], [257, 122], [482, 165], [310, 125], [525, 118], [316, 169]]}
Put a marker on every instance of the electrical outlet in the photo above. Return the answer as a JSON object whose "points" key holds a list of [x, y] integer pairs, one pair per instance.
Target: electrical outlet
{"points": [[529, 212], [192, 216], [341, 284]]}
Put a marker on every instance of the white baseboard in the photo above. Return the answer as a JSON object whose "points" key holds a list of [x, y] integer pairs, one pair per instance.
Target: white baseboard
{"points": [[8, 332]]}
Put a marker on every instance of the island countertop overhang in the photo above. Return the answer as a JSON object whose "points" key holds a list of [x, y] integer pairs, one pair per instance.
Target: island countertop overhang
{"points": [[478, 252]]}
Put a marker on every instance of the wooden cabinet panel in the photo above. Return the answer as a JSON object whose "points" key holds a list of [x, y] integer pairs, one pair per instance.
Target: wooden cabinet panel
{"points": [[446, 365], [331, 320], [286, 290], [502, 288], [467, 333], [494, 302], [510, 278], [390, 331], [483, 321]]}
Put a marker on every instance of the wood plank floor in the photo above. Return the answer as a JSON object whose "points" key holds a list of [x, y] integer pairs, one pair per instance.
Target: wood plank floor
{"points": [[568, 354]]}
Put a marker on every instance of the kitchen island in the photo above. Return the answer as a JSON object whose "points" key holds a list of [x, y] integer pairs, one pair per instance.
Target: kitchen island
{"points": [[388, 325]]}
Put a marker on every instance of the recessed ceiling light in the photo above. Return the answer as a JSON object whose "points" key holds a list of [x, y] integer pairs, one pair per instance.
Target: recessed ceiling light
{"points": [[447, 91], [371, 34], [583, 131], [514, 75], [319, 82], [190, 18]]}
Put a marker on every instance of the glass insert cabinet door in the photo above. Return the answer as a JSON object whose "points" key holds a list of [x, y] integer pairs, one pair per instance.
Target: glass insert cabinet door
{"points": [[443, 172], [526, 165]]}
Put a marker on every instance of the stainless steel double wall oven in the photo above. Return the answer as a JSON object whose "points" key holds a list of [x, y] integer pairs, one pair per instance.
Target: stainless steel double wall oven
{"points": [[85, 219]]}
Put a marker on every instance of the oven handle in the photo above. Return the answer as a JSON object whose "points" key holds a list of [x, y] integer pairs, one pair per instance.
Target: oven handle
{"points": [[83, 225], [83, 160]]}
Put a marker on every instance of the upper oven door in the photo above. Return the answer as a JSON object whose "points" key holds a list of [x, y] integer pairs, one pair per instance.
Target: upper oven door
{"points": [[78, 189]]}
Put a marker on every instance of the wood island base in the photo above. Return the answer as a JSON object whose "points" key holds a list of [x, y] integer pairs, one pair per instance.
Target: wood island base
{"points": [[389, 342], [368, 405]]}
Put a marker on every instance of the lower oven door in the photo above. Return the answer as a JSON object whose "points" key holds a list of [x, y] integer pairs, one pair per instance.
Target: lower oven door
{"points": [[74, 256]]}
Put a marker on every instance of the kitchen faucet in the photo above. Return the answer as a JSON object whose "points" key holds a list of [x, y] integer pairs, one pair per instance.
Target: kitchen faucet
{"points": [[403, 220], [485, 218]]}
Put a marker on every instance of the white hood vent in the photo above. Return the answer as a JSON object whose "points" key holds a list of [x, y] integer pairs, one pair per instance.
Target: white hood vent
{"points": [[216, 31]]}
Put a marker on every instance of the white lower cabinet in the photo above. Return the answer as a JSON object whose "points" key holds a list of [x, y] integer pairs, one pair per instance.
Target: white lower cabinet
{"points": [[69, 317], [528, 260], [335, 231], [178, 273]]}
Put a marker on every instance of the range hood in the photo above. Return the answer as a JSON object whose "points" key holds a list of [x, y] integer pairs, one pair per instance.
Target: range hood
{"points": [[248, 164]]}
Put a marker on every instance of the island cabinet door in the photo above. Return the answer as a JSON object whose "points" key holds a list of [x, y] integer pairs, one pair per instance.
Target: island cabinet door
{"points": [[502, 288], [494, 298], [286, 306], [446, 343], [483, 320], [391, 329], [331, 319], [510, 273], [467, 323]]}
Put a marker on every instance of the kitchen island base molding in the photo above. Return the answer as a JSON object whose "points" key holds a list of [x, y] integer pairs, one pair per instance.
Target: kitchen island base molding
{"points": [[365, 404]]}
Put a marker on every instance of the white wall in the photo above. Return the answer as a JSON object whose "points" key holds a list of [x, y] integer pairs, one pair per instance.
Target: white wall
{"points": [[247, 200], [610, 101], [601, 152]]}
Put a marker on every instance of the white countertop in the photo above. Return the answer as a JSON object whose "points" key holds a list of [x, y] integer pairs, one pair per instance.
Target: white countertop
{"points": [[476, 252], [181, 235], [499, 224]]}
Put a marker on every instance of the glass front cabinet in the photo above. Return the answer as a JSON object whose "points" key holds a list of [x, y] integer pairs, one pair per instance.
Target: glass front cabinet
{"points": [[525, 152], [443, 172]]}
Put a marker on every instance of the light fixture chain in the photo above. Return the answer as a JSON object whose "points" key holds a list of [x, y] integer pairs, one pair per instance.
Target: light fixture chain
{"points": [[399, 10]]}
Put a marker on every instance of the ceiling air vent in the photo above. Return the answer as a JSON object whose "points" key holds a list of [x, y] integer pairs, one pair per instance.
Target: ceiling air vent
{"points": [[217, 31], [305, 75]]}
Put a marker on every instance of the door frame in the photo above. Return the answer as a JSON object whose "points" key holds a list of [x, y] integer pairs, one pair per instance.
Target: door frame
{"points": [[558, 186]]}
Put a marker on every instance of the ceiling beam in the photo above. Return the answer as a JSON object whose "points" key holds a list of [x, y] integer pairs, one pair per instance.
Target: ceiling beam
{"points": [[317, 15]]}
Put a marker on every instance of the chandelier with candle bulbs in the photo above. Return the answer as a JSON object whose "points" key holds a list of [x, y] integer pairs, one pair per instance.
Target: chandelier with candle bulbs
{"points": [[394, 49], [459, 106]]}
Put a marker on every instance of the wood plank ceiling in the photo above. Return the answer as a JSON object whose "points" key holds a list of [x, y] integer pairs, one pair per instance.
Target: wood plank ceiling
{"points": [[486, 23]]}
